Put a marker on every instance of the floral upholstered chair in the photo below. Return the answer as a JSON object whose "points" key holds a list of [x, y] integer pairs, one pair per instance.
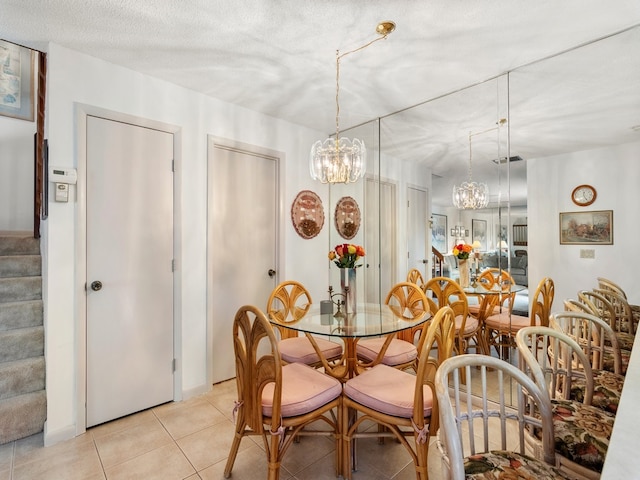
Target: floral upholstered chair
{"points": [[464, 423], [581, 430]]}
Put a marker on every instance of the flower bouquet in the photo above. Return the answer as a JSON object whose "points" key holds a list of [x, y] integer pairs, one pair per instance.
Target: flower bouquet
{"points": [[346, 255], [462, 251]]}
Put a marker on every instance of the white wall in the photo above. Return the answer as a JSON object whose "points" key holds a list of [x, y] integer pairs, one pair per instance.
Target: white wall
{"points": [[77, 78], [16, 174], [614, 172]]}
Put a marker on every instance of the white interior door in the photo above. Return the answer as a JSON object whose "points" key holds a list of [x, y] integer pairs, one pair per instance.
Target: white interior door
{"points": [[242, 245], [380, 236], [129, 198], [417, 230]]}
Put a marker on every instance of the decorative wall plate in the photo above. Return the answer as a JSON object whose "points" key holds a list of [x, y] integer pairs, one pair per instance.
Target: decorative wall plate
{"points": [[307, 214], [347, 217]]}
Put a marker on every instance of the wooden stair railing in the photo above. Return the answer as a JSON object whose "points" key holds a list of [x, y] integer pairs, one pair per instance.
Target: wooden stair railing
{"points": [[437, 263]]}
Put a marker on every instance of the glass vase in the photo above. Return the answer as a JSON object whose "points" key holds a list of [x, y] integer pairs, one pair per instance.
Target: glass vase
{"points": [[348, 287]]}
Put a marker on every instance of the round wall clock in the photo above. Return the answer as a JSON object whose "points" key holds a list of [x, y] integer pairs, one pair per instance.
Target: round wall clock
{"points": [[347, 217], [583, 195], [307, 214]]}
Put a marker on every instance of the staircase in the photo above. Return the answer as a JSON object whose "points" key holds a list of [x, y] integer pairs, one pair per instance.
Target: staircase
{"points": [[22, 373]]}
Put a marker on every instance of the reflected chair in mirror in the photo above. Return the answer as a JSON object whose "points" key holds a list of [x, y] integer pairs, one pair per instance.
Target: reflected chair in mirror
{"points": [[582, 431], [606, 284], [287, 304], [482, 436], [447, 292], [500, 328], [592, 334], [415, 276], [490, 278], [407, 301], [402, 403], [276, 400]]}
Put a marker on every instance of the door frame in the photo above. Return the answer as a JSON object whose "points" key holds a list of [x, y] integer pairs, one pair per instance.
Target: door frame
{"points": [[214, 141], [427, 233], [82, 111]]}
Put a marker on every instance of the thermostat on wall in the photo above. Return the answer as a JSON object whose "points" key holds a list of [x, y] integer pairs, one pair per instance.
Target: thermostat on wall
{"points": [[63, 175]]}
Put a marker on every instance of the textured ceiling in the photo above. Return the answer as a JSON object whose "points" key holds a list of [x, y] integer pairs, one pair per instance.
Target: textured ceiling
{"points": [[278, 57]]}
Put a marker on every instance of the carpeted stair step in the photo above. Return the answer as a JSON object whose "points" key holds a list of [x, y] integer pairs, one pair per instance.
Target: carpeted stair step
{"points": [[21, 376], [22, 416], [20, 314], [20, 266], [21, 343], [18, 289], [19, 245]]}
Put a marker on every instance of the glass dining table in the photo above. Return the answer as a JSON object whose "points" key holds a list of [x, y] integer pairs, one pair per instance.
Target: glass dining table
{"points": [[369, 320]]}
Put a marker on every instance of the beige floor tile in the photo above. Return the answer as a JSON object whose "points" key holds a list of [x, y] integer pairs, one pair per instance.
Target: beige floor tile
{"points": [[6, 456], [31, 449], [5, 474], [250, 464], [209, 446], [122, 445], [164, 463], [223, 397], [183, 418], [308, 451], [121, 423], [61, 462]]}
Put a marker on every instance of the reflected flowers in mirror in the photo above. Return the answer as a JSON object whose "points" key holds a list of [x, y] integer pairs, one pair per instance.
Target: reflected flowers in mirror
{"points": [[346, 255]]}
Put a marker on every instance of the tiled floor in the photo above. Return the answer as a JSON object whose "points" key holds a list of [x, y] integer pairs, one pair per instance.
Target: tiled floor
{"points": [[191, 440]]}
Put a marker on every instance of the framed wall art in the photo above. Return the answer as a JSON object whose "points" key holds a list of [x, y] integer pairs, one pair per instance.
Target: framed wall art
{"points": [[439, 232], [307, 214], [479, 232], [16, 81], [586, 228], [347, 217]]}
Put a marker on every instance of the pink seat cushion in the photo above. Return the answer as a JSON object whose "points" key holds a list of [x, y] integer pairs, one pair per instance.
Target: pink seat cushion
{"points": [[399, 352], [469, 327], [501, 322], [299, 349], [387, 390], [304, 389]]}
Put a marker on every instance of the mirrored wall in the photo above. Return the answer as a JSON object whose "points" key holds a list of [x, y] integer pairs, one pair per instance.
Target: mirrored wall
{"points": [[586, 97]]}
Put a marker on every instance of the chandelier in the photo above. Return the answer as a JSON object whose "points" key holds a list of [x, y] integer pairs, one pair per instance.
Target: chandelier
{"points": [[339, 159], [473, 195]]}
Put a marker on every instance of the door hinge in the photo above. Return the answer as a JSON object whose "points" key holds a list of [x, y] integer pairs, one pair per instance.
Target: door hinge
{"points": [[173, 166], [173, 365], [173, 265]]}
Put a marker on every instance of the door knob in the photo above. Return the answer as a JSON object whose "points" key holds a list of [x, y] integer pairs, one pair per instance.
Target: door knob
{"points": [[271, 272], [96, 285]]}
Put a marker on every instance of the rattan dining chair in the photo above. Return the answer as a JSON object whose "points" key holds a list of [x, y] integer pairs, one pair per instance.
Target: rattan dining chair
{"points": [[448, 292], [482, 436], [401, 402], [500, 328], [289, 302], [582, 431], [415, 276], [276, 400], [407, 301]]}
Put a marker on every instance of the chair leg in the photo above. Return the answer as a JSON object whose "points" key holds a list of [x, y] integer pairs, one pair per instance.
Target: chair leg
{"points": [[422, 455], [240, 427], [274, 457], [346, 444]]}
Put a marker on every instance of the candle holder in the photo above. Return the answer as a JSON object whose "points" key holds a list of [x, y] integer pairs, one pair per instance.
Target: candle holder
{"points": [[338, 299]]}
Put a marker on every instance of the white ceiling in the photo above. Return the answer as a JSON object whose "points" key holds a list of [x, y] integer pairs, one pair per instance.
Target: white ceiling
{"points": [[278, 57]]}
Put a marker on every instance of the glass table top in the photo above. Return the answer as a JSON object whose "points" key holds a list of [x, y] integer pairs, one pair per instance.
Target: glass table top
{"points": [[369, 320]]}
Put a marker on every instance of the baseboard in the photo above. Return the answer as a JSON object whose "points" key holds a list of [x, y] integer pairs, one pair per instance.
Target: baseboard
{"points": [[60, 435], [194, 392]]}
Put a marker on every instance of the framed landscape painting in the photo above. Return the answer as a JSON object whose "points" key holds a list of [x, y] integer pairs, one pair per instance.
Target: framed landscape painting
{"points": [[586, 228], [16, 81], [439, 232]]}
